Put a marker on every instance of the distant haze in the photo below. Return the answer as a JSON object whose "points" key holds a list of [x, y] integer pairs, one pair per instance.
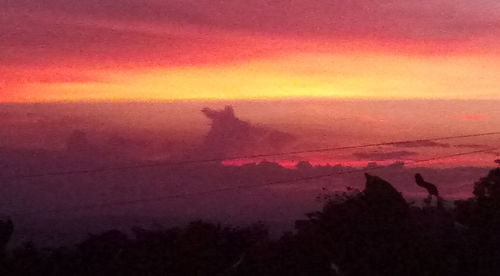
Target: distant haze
{"points": [[161, 130], [47, 138]]}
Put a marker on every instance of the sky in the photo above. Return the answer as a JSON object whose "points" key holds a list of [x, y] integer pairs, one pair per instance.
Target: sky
{"points": [[92, 84], [107, 50]]}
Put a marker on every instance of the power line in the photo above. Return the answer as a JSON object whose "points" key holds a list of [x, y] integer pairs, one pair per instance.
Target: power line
{"points": [[220, 159], [241, 187]]}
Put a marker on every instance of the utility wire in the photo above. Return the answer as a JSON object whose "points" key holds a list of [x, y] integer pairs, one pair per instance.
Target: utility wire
{"points": [[241, 187], [220, 159]]}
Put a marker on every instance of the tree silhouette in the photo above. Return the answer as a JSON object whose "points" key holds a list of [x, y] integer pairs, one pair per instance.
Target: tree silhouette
{"points": [[6, 230], [369, 232]]}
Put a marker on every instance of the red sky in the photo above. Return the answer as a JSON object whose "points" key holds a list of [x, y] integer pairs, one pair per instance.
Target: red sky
{"points": [[61, 50]]}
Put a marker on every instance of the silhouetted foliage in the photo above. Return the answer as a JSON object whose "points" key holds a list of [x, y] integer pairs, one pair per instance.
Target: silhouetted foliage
{"points": [[6, 230], [369, 232], [481, 216]]}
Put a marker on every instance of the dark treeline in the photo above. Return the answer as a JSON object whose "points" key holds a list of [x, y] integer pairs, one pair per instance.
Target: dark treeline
{"points": [[370, 232]]}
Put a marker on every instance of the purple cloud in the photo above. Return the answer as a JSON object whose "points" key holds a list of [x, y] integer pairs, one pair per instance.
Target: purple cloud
{"points": [[384, 155], [422, 143]]}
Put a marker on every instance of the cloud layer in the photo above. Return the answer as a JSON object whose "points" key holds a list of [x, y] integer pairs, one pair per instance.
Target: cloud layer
{"points": [[151, 30]]}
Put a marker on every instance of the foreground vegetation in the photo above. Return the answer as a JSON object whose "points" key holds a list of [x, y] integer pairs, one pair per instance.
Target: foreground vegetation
{"points": [[369, 232]]}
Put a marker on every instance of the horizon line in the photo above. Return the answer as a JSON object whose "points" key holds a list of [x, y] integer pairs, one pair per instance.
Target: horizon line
{"points": [[263, 99]]}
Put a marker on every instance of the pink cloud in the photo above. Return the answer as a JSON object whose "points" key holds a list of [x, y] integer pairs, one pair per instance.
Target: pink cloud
{"points": [[194, 31], [473, 117]]}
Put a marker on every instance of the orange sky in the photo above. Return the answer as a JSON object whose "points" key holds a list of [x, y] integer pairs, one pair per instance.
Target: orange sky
{"points": [[151, 50]]}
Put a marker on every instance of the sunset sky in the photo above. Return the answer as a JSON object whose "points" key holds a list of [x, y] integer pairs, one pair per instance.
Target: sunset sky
{"points": [[61, 50], [238, 110]]}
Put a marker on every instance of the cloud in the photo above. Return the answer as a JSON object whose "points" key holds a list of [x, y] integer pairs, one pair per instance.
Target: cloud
{"points": [[78, 143], [229, 136], [384, 155], [472, 146], [473, 117], [5, 116], [422, 143], [161, 31], [339, 18]]}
